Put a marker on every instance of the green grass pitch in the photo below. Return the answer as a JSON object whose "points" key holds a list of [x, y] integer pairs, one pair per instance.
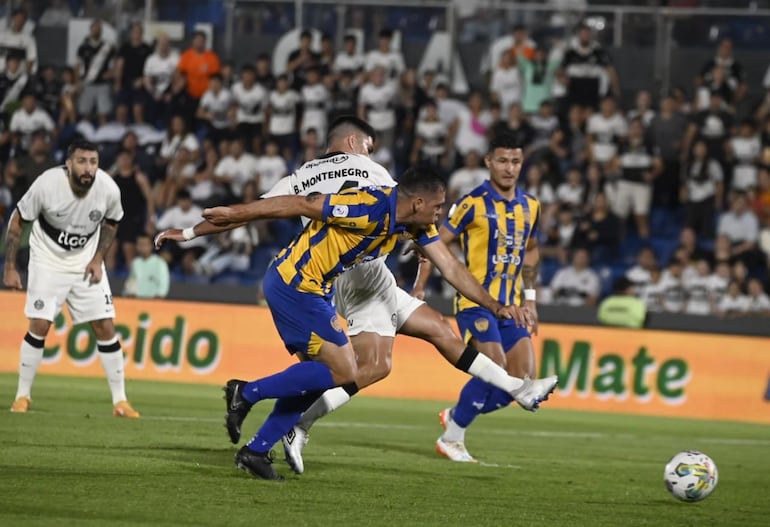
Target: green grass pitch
{"points": [[69, 462]]}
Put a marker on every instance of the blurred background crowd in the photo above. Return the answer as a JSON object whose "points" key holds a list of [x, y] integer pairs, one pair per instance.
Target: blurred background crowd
{"points": [[668, 189]]}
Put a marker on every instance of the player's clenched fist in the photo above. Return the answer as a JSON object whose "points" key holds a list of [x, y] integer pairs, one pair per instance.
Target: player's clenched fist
{"points": [[12, 279], [219, 216]]}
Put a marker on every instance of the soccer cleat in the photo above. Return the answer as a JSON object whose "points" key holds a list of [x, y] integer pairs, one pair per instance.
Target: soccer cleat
{"points": [[444, 416], [237, 408], [124, 409], [293, 443], [454, 451], [535, 392], [258, 465], [21, 405]]}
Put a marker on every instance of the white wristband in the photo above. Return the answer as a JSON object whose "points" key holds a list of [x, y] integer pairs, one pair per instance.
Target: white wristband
{"points": [[530, 295], [188, 233]]}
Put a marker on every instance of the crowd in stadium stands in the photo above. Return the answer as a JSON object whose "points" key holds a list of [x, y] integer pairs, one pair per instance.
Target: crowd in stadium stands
{"points": [[672, 193]]}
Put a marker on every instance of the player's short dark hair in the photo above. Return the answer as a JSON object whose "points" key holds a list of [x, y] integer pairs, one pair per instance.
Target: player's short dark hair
{"points": [[81, 144], [422, 179], [345, 125], [503, 140]]}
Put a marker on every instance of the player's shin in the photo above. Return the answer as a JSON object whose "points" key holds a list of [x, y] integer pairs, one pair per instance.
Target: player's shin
{"points": [[285, 414], [295, 380], [481, 366], [112, 360], [30, 357], [329, 401]]}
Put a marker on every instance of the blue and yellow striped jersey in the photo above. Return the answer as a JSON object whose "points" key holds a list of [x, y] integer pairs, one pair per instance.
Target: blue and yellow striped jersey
{"points": [[357, 225], [494, 234]]}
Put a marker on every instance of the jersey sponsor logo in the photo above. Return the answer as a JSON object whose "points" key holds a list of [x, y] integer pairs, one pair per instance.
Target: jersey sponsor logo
{"points": [[481, 324], [340, 211], [514, 259], [66, 240]]}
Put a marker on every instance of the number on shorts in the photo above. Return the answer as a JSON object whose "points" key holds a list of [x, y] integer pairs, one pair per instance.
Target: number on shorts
{"points": [[108, 299]]}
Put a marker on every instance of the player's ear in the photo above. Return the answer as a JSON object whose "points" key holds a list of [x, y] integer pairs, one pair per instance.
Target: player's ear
{"points": [[486, 160]]}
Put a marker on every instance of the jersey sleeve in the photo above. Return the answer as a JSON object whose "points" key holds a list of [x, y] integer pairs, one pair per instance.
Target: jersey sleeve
{"points": [[352, 209], [31, 203], [114, 210], [535, 229], [460, 215], [426, 236], [281, 188]]}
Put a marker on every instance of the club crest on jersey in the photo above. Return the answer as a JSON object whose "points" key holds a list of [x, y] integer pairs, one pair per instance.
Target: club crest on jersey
{"points": [[394, 320], [335, 324], [39, 304], [340, 211], [95, 215], [481, 324]]}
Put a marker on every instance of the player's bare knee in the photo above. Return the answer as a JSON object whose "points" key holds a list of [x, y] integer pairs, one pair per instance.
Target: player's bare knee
{"points": [[39, 326], [103, 329]]}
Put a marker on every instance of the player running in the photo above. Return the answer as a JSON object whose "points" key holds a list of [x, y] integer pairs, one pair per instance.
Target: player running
{"points": [[68, 205], [497, 225], [367, 294]]}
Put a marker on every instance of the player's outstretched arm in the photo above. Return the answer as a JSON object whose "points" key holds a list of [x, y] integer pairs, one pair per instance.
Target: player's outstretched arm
{"points": [[461, 279], [203, 228], [425, 267], [277, 207], [11, 276]]}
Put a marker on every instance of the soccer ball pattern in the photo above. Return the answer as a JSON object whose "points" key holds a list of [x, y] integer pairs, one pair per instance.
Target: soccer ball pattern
{"points": [[691, 476]]}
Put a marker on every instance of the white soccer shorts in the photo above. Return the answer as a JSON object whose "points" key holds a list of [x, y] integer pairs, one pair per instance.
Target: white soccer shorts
{"points": [[369, 299], [47, 290]]}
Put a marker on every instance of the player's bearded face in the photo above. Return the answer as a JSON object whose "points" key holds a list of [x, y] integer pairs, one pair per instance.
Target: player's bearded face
{"points": [[82, 166]]}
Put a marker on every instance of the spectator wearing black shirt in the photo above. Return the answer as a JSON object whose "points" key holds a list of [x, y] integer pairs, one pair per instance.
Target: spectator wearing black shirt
{"points": [[731, 69], [47, 87], [712, 125], [600, 231], [587, 67], [302, 59], [95, 73], [129, 69], [702, 191], [13, 81], [264, 73], [516, 125], [666, 132]]}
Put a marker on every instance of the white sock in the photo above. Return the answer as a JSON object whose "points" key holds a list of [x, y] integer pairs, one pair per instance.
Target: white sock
{"points": [[30, 358], [486, 370], [326, 404], [112, 361], [453, 432]]}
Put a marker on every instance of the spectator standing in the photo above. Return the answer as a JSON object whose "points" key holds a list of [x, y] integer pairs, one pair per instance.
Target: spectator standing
{"points": [[465, 179], [667, 132], [731, 69], [251, 99], [741, 226], [282, 116], [129, 70], [376, 105], [538, 75], [302, 59], [600, 232], [16, 41], [198, 64], [472, 126], [95, 74], [29, 120], [517, 125], [642, 109], [264, 72], [158, 71], [149, 276], [271, 167], [236, 169], [589, 70], [506, 83], [578, 284], [605, 130], [743, 151], [13, 82], [214, 110], [385, 57], [37, 160], [431, 138], [712, 125], [349, 59], [344, 96], [48, 90], [702, 191], [136, 199], [315, 105]]}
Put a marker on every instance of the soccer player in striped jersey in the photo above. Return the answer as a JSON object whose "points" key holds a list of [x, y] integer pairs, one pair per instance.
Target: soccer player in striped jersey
{"points": [[497, 226]]}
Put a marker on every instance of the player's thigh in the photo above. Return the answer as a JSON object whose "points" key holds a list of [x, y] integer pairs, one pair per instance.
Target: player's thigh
{"points": [[406, 305], [47, 290], [520, 354], [366, 297], [642, 198], [88, 302], [480, 328]]}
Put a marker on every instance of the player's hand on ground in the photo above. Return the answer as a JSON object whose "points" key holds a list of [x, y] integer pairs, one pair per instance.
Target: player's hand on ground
{"points": [[219, 216], [12, 279], [93, 272], [531, 308], [169, 234]]}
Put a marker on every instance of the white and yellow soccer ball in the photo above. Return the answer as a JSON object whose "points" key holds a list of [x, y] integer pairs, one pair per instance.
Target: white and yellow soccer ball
{"points": [[691, 476]]}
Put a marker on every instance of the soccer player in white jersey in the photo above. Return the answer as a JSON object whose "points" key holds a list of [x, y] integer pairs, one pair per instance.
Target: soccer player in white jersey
{"points": [[367, 294], [74, 210]]}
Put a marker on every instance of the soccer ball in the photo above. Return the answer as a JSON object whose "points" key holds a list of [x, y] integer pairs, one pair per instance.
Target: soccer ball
{"points": [[690, 476]]}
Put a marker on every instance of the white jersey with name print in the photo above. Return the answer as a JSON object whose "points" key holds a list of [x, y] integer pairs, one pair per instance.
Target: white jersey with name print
{"points": [[251, 103], [65, 232], [367, 294]]}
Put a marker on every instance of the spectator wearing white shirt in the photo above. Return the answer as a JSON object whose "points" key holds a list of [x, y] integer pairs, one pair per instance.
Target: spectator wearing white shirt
{"points": [[698, 290], [734, 303], [27, 120], [349, 59], [183, 213], [604, 131], [272, 167], [14, 40], [641, 273], [578, 284], [250, 99], [505, 83], [315, 105], [643, 109], [385, 57], [472, 125], [741, 226], [543, 191], [718, 282], [282, 116], [744, 150], [571, 191], [653, 292], [159, 69], [377, 106], [431, 138], [214, 108], [57, 14], [759, 301], [236, 169], [465, 179], [672, 287]]}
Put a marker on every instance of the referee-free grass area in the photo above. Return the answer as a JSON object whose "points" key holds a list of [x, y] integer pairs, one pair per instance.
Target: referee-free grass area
{"points": [[68, 462]]}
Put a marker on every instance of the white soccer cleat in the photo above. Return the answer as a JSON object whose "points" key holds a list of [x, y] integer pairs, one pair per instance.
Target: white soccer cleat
{"points": [[293, 443], [535, 392], [454, 451]]}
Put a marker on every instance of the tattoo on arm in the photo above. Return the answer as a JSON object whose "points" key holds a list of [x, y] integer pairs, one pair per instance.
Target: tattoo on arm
{"points": [[529, 275], [12, 240], [107, 233], [312, 198]]}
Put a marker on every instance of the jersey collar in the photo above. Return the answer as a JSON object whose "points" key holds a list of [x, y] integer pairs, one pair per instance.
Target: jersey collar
{"points": [[497, 196]]}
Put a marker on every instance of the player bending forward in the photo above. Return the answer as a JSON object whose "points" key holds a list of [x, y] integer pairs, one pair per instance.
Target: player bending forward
{"points": [[68, 205]]}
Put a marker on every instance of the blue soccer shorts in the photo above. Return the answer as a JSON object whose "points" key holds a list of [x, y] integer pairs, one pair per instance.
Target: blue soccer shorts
{"points": [[482, 325]]}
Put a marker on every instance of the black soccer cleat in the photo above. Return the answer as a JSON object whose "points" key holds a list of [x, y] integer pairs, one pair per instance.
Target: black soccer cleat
{"points": [[237, 408], [258, 465]]}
